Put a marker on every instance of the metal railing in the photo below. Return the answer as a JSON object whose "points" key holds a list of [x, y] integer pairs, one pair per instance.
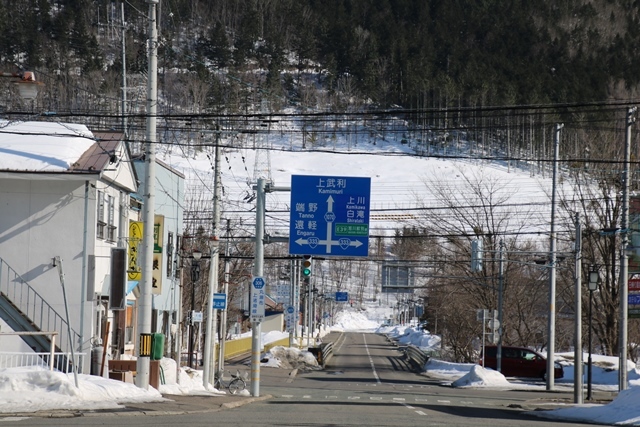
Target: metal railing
{"points": [[416, 356], [34, 307], [21, 360]]}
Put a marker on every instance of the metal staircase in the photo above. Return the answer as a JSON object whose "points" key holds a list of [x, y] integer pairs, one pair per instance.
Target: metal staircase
{"points": [[24, 309]]}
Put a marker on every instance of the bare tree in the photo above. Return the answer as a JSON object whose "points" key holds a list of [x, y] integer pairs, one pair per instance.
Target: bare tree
{"points": [[479, 205]]}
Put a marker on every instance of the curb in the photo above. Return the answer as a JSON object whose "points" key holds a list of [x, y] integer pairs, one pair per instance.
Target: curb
{"points": [[123, 412]]}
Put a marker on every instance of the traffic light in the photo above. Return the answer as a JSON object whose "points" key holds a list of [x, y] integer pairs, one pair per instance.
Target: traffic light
{"points": [[306, 265]]}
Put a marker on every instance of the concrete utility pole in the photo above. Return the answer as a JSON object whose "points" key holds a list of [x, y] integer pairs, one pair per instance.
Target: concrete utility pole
{"points": [[500, 303], [223, 314], [551, 345], [577, 352], [144, 302], [124, 75], [212, 315], [257, 272], [624, 257]]}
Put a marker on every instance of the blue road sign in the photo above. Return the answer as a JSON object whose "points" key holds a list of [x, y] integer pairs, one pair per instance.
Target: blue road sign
{"points": [[342, 296], [633, 299], [219, 301], [258, 282], [329, 215]]}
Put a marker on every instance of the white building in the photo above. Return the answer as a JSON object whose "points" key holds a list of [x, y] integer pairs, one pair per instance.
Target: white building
{"points": [[65, 203]]}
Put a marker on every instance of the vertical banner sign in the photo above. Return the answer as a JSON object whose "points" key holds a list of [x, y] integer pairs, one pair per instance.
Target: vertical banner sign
{"points": [[157, 273], [290, 318], [257, 299], [135, 239], [633, 309], [634, 235]]}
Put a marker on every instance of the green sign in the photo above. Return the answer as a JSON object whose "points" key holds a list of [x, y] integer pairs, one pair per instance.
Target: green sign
{"points": [[352, 229]]}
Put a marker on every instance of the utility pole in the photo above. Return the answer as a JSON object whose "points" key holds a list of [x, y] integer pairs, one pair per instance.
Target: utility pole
{"points": [[500, 301], [223, 314], [577, 352], [212, 320], [257, 272], [624, 257], [124, 75], [144, 302], [551, 347]]}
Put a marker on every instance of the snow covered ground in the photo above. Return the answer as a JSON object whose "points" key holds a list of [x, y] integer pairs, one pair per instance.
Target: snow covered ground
{"points": [[35, 388]]}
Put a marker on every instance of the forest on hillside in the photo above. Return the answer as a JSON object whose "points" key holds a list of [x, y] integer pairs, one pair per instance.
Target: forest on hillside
{"points": [[224, 55], [487, 79]]}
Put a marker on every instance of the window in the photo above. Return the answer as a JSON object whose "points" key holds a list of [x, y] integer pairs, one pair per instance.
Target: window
{"points": [[111, 226], [106, 228], [101, 224]]}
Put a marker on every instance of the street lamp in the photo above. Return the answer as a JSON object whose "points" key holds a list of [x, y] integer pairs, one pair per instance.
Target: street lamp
{"points": [[594, 278], [26, 83], [195, 275]]}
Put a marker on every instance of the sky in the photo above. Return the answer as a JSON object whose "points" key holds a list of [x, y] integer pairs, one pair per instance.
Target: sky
{"points": [[35, 388]]}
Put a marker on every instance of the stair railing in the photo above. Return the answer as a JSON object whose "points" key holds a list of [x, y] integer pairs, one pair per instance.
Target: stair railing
{"points": [[34, 307]]}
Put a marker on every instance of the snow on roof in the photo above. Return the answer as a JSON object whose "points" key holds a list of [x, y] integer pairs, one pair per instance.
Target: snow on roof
{"points": [[42, 146]]}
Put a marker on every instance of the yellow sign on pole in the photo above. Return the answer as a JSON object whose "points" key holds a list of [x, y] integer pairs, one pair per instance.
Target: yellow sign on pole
{"points": [[134, 271], [158, 232]]}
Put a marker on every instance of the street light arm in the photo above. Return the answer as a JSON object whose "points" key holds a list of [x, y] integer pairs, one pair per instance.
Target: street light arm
{"points": [[25, 82], [25, 76]]}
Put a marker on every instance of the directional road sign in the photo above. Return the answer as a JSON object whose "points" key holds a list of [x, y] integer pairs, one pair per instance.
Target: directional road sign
{"points": [[342, 296], [219, 301], [329, 215]]}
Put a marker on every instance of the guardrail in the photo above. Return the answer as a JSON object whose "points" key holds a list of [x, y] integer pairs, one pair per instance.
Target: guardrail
{"points": [[416, 356]]}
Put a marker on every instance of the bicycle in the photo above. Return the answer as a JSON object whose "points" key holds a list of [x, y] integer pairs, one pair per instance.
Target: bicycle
{"points": [[235, 385]]}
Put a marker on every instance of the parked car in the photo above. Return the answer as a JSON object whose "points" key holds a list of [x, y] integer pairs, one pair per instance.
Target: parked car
{"points": [[520, 362]]}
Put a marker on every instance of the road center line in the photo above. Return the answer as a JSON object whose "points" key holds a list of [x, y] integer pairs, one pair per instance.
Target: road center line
{"points": [[373, 366]]}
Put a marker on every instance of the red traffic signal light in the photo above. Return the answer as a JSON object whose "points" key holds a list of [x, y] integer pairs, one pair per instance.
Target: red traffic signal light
{"points": [[306, 266]]}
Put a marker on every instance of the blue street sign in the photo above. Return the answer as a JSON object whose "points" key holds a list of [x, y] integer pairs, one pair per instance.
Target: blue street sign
{"points": [[257, 300], [219, 301], [342, 296], [329, 215], [258, 282], [290, 310], [633, 299]]}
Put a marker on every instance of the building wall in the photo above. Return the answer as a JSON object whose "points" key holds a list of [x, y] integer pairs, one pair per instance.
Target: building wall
{"points": [[42, 219], [169, 198]]}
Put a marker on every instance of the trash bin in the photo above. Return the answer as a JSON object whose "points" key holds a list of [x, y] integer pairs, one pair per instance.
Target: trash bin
{"points": [[157, 346]]}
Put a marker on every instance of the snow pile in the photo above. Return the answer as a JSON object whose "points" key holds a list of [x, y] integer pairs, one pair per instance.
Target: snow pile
{"points": [[622, 411], [448, 369], [190, 381], [481, 377], [35, 388], [418, 337], [353, 321], [289, 358]]}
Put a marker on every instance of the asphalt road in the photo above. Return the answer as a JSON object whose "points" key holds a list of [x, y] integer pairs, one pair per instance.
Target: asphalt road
{"points": [[366, 383]]}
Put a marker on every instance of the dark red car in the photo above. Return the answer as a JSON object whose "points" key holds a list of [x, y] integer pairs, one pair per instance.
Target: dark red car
{"points": [[520, 362]]}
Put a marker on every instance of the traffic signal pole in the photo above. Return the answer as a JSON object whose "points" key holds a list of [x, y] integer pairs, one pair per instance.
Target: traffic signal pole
{"points": [[261, 189]]}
